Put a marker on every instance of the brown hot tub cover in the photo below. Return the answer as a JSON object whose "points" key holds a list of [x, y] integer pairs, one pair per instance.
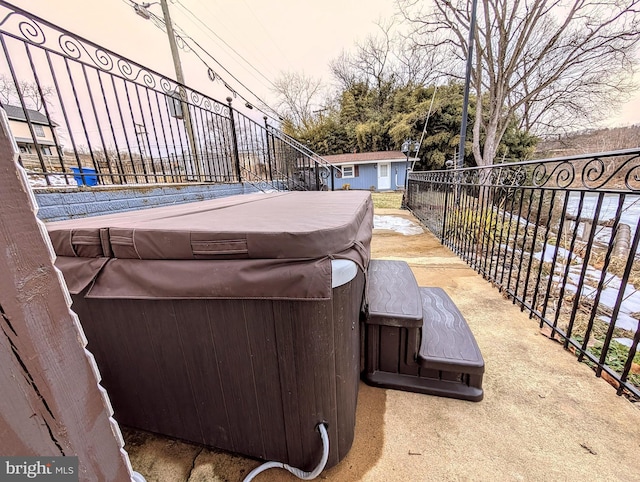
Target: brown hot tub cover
{"points": [[291, 236]]}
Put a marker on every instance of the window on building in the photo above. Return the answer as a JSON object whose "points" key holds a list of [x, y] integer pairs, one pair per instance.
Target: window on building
{"points": [[46, 150], [39, 130], [348, 171], [25, 149]]}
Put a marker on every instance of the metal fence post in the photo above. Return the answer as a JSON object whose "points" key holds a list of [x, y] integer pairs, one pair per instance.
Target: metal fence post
{"points": [[266, 134], [444, 214], [333, 187], [234, 136]]}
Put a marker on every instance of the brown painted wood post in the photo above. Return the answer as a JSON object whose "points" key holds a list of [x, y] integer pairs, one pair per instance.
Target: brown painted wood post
{"points": [[50, 400]]}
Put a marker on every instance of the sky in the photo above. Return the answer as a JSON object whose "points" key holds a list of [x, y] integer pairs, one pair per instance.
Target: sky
{"points": [[272, 35]]}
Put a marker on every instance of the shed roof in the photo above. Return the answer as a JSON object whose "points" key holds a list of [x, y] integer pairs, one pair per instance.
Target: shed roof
{"points": [[365, 157]]}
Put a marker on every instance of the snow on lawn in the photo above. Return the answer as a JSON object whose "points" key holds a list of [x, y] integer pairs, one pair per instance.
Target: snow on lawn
{"points": [[629, 215], [610, 291], [397, 224], [549, 251]]}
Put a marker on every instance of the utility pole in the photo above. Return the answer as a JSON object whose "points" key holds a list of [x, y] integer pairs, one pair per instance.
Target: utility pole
{"points": [[180, 78], [188, 126], [467, 81], [465, 102]]}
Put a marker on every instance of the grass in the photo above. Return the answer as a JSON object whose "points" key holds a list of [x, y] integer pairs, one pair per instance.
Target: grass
{"points": [[616, 359], [387, 200]]}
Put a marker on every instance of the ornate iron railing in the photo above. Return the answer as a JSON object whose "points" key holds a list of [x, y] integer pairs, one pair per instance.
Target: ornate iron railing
{"points": [[560, 237], [114, 121]]}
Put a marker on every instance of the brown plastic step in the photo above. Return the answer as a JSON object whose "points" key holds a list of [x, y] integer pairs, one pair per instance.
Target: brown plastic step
{"points": [[393, 294], [447, 345], [437, 357]]}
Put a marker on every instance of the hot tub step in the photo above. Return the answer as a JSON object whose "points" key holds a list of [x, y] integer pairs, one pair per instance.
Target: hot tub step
{"points": [[394, 297], [448, 347], [437, 357]]}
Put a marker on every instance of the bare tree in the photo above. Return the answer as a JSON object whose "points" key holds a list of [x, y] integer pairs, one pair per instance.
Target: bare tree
{"points": [[386, 58], [370, 63], [34, 96], [373, 57], [549, 63], [299, 96], [415, 66], [343, 71], [7, 89]]}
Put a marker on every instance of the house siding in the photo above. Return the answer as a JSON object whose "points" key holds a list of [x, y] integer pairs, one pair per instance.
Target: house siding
{"points": [[21, 129], [368, 177]]}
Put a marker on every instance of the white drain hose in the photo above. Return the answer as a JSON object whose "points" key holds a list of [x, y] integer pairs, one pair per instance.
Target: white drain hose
{"points": [[301, 474]]}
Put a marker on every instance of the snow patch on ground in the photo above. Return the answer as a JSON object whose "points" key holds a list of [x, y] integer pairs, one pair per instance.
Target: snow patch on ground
{"points": [[55, 180], [611, 285], [397, 224], [549, 251]]}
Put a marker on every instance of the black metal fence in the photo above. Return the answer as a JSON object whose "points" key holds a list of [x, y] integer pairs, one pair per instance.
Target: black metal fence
{"points": [[560, 238], [77, 109]]}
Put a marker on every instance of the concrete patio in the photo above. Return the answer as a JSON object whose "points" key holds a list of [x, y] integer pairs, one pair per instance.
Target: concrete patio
{"points": [[544, 416]]}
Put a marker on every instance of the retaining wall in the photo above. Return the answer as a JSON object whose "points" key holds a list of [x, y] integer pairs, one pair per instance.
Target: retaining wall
{"points": [[56, 204]]}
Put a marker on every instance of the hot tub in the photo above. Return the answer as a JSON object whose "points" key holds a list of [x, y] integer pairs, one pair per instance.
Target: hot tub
{"points": [[233, 323]]}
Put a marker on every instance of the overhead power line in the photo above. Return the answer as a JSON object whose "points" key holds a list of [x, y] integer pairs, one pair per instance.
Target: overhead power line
{"points": [[183, 42], [199, 20]]}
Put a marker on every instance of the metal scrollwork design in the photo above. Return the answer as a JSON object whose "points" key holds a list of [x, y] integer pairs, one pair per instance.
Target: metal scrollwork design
{"points": [[28, 28], [593, 172], [181, 92], [516, 177], [70, 46], [73, 48], [470, 176], [125, 68], [616, 171], [565, 174], [31, 31], [485, 176], [104, 60], [559, 175], [540, 176], [166, 86], [221, 109], [632, 178], [324, 172], [497, 176], [147, 78]]}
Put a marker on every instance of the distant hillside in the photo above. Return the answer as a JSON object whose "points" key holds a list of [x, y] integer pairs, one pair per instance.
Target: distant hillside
{"points": [[600, 140]]}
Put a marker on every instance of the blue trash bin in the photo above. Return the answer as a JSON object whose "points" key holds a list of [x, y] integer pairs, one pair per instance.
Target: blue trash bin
{"points": [[88, 180]]}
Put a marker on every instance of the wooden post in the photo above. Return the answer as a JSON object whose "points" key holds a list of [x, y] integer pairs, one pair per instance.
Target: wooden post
{"points": [[50, 402]]}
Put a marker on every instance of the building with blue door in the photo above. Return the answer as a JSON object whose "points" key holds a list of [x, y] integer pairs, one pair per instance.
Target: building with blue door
{"points": [[376, 171]]}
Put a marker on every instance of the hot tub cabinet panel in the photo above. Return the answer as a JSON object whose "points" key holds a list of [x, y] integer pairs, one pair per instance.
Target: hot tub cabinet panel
{"points": [[208, 350], [253, 377]]}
